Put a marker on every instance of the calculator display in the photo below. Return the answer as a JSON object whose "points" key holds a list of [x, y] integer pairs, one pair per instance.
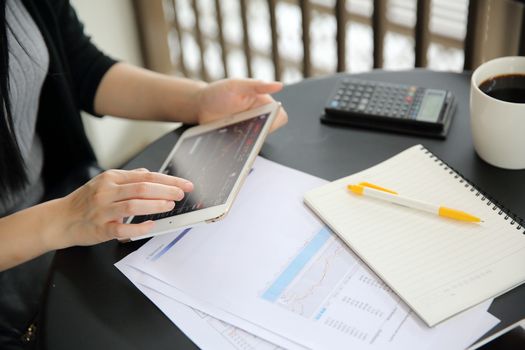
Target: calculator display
{"points": [[431, 106]]}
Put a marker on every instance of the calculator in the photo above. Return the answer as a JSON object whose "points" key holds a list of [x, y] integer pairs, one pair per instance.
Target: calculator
{"points": [[393, 107]]}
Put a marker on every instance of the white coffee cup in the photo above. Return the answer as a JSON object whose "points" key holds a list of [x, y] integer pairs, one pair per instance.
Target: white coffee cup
{"points": [[498, 127]]}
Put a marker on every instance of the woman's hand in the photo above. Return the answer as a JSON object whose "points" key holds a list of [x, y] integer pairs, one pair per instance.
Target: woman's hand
{"points": [[136, 93], [94, 213], [226, 97]]}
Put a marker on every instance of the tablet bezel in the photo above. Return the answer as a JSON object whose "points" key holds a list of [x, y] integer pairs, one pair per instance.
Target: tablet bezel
{"points": [[217, 212]]}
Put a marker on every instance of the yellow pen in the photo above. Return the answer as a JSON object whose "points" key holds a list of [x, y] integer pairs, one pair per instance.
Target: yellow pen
{"points": [[371, 190]]}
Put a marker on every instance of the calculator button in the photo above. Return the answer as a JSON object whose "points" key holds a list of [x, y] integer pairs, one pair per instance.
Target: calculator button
{"points": [[334, 104]]}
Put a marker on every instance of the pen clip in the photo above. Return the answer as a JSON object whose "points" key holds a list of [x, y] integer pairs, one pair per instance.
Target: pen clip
{"points": [[358, 189]]}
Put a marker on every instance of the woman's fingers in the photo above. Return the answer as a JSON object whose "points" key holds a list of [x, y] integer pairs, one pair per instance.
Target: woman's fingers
{"points": [[136, 207], [147, 190], [133, 176], [282, 117], [252, 86], [281, 120], [121, 231]]}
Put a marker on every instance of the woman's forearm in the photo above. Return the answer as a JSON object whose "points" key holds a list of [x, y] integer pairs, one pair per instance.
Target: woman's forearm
{"points": [[132, 92], [30, 233]]}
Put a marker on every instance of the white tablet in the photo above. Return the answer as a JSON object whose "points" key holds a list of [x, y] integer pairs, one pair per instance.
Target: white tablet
{"points": [[216, 157]]}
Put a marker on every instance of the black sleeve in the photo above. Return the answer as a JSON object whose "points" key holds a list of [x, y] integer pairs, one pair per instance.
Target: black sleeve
{"points": [[86, 62]]}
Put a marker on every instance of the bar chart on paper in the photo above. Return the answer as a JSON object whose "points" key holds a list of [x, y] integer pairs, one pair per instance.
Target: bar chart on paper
{"points": [[324, 283]]}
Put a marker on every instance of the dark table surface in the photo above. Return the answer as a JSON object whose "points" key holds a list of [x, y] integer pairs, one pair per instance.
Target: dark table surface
{"points": [[91, 305]]}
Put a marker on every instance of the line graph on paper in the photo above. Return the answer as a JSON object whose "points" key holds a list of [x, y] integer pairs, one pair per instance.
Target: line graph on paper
{"points": [[311, 276], [325, 283]]}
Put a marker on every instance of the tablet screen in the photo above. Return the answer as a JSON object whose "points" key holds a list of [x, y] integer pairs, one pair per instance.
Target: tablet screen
{"points": [[212, 161]]}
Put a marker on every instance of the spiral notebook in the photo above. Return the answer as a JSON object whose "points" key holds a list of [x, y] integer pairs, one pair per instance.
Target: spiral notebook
{"points": [[438, 266]]}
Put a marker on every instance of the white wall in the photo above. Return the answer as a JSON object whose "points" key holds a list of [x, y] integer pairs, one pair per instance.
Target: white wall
{"points": [[113, 29]]}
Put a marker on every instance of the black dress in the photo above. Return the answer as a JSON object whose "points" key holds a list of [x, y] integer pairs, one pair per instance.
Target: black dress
{"points": [[76, 68]]}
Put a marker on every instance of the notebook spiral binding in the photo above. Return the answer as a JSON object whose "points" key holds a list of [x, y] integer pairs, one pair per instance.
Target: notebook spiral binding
{"points": [[509, 215]]}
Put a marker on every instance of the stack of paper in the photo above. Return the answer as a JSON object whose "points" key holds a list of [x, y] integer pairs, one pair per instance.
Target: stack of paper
{"points": [[270, 275]]}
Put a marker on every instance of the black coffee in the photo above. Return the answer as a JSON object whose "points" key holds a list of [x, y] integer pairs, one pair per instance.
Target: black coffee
{"points": [[508, 87]]}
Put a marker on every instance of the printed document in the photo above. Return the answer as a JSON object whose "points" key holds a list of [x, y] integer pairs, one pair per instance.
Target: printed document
{"points": [[271, 262]]}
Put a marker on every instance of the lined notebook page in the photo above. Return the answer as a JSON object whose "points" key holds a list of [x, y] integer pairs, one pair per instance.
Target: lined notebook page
{"points": [[438, 266]]}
